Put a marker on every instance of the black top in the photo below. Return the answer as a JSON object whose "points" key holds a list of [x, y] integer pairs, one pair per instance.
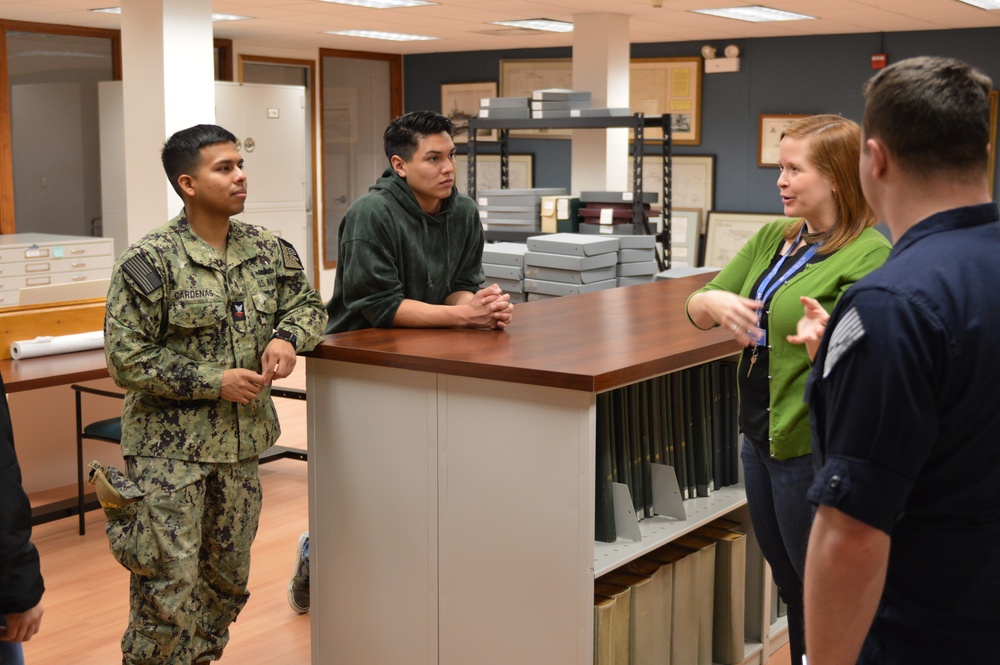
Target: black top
{"points": [[21, 584], [755, 389]]}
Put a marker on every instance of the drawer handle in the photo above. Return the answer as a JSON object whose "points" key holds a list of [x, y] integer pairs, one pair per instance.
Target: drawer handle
{"points": [[79, 278], [37, 267], [78, 250], [79, 264]]}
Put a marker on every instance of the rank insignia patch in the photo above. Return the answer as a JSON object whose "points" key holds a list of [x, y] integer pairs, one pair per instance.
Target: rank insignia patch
{"points": [[292, 260], [239, 312]]}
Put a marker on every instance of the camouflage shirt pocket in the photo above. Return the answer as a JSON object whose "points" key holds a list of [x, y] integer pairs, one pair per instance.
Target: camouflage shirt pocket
{"points": [[196, 313]]}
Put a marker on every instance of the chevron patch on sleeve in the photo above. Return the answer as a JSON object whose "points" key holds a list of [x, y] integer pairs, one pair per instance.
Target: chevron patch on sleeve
{"points": [[292, 260], [849, 331], [143, 274]]}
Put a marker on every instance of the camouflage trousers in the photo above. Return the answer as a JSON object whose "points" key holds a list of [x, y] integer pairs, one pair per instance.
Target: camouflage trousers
{"points": [[187, 545]]}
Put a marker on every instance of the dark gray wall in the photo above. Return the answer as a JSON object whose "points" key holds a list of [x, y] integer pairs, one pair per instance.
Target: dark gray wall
{"points": [[819, 74]]}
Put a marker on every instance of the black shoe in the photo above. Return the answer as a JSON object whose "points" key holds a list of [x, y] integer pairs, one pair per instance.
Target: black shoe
{"points": [[298, 586]]}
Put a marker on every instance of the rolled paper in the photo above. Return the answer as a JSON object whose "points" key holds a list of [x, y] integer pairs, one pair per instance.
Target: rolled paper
{"points": [[50, 346]]}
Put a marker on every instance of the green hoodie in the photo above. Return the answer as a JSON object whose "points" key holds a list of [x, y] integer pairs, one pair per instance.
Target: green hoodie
{"points": [[391, 250]]}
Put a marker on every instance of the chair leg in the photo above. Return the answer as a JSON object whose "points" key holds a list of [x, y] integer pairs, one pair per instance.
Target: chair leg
{"points": [[80, 500]]}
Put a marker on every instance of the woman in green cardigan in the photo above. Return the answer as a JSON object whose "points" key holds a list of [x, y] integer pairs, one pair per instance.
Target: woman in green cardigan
{"points": [[823, 245]]}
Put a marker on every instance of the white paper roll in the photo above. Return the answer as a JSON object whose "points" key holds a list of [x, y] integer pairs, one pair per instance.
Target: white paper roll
{"points": [[50, 346]]}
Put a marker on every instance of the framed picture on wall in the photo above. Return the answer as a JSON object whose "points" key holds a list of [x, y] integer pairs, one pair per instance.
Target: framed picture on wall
{"points": [[692, 182], [519, 78], [521, 174], [993, 137], [685, 239], [658, 86], [460, 101], [727, 232], [770, 128]]}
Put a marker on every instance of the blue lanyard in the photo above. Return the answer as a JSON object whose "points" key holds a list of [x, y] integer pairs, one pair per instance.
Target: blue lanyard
{"points": [[767, 288]]}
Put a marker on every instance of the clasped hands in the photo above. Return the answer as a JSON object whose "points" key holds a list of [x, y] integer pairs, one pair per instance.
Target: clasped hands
{"points": [[495, 308]]}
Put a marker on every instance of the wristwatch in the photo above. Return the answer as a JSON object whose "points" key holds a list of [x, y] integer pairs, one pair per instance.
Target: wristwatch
{"points": [[286, 336]]}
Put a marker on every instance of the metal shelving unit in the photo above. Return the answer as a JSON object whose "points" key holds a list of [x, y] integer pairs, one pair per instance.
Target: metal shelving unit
{"points": [[637, 123]]}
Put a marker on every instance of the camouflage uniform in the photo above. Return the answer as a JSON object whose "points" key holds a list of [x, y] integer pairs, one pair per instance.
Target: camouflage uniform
{"points": [[178, 316]]}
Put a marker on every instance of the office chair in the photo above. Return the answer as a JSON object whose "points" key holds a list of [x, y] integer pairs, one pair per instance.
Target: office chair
{"points": [[109, 430]]}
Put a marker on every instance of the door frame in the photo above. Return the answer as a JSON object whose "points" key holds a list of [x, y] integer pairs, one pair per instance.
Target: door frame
{"points": [[7, 219]]}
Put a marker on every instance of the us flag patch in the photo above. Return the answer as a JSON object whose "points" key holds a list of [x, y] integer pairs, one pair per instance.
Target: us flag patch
{"points": [[292, 259], [849, 331], [143, 274]]}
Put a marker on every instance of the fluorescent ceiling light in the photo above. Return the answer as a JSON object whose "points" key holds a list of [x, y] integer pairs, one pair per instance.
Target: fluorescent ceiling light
{"points": [[983, 4], [754, 13], [215, 17], [382, 4], [376, 34], [538, 24]]}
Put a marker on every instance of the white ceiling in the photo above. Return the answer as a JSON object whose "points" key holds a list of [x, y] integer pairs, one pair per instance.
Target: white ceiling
{"points": [[463, 25]]}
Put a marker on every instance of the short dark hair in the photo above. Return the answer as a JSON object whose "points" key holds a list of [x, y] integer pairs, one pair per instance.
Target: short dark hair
{"points": [[403, 134], [181, 154], [932, 114]]}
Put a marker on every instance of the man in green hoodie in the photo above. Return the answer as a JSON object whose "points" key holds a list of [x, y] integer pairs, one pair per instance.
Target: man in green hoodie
{"points": [[411, 249], [411, 256]]}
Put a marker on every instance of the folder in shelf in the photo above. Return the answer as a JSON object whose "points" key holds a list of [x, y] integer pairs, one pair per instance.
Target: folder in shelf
{"points": [[654, 646], [647, 615], [684, 613], [604, 510], [604, 630], [705, 591], [621, 619], [730, 593]]}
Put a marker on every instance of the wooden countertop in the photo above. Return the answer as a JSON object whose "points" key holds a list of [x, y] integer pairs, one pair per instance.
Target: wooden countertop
{"points": [[58, 370], [591, 342]]}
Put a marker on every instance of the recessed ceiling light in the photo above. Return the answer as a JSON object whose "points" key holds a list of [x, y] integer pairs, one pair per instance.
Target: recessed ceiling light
{"points": [[376, 34], [382, 4], [538, 24], [754, 13], [215, 17], [983, 4]]}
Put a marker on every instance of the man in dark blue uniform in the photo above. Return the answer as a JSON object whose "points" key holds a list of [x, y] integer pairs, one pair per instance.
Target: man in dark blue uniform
{"points": [[903, 562]]}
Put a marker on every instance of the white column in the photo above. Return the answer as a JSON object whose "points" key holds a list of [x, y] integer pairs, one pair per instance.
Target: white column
{"points": [[169, 83], [601, 65]]}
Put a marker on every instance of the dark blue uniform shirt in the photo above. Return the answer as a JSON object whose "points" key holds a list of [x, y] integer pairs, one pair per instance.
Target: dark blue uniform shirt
{"points": [[905, 409]]}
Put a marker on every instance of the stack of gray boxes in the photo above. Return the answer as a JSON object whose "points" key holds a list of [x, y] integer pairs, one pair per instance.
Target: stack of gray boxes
{"points": [[558, 102], [504, 108], [562, 264], [636, 260], [513, 209], [503, 265]]}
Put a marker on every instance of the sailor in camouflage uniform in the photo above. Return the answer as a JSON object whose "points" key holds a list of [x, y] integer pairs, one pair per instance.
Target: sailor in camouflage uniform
{"points": [[202, 314]]}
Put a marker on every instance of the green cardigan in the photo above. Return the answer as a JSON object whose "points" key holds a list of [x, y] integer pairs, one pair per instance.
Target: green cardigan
{"points": [[825, 281]]}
